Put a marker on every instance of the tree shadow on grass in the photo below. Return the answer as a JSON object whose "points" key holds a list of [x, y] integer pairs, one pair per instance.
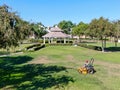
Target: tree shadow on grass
{"points": [[36, 77], [14, 60], [41, 77], [8, 64]]}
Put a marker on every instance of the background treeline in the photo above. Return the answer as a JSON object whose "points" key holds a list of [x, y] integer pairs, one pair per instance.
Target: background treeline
{"points": [[13, 29]]}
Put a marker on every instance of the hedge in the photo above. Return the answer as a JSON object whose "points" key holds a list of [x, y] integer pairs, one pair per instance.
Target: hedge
{"points": [[60, 44], [39, 47], [112, 49], [98, 48], [34, 45]]}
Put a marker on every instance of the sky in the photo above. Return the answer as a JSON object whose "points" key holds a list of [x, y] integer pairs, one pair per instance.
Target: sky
{"points": [[51, 12]]}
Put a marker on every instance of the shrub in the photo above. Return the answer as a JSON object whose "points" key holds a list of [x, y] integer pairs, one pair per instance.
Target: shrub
{"points": [[4, 53], [112, 49], [31, 46], [39, 47], [35, 47], [91, 47], [82, 45], [33, 40], [59, 44]]}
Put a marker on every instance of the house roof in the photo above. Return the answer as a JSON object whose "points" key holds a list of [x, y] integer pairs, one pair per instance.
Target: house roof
{"points": [[56, 32], [55, 29], [56, 35]]}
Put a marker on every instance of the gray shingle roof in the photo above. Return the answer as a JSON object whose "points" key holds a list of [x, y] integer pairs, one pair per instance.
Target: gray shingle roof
{"points": [[55, 29], [56, 33]]}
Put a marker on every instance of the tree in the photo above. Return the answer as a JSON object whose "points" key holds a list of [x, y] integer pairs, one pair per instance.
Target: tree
{"points": [[12, 28], [6, 24], [100, 28], [38, 29], [80, 29], [116, 32], [66, 26], [22, 29]]}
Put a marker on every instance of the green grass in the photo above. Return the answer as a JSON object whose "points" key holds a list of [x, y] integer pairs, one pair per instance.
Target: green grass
{"points": [[11, 50], [58, 70]]}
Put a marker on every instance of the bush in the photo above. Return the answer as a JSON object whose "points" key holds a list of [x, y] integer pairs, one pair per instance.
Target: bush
{"points": [[91, 47], [112, 49], [39, 47], [4, 53], [83, 45], [33, 40], [31, 46], [37, 41], [60, 44], [34, 47]]}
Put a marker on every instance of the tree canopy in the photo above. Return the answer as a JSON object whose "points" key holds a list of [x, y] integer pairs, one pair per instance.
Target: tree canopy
{"points": [[12, 28], [101, 28], [66, 26], [38, 29], [80, 29]]}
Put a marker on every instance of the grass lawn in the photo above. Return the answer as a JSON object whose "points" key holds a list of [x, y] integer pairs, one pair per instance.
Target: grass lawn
{"points": [[11, 50], [55, 68]]}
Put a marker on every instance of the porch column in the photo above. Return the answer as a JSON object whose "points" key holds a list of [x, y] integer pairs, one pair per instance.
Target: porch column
{"points": [[49, 40], [44, 40], [64, 40]]}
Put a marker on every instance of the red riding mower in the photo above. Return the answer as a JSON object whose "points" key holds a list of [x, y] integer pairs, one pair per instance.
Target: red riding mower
{"points": [[87, 68]]}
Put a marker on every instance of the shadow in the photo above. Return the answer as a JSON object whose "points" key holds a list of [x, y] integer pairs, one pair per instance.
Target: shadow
{"points": [[41, 69], [8, 66], [112, 49], [93, 42], [37, 77], [14, 60]]}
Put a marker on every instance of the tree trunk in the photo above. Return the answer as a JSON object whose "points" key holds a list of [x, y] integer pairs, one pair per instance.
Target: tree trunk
{"points": [[102, 45], [115, 44], [79, 39], [111, 39], [105, 42], [116, 40]]}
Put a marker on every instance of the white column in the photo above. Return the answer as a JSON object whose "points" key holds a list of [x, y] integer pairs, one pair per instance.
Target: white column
{"points": [[49, 40], [64, 40], [44, 40]]}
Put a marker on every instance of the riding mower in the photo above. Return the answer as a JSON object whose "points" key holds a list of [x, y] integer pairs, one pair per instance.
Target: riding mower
{"points": [[87, 68]]}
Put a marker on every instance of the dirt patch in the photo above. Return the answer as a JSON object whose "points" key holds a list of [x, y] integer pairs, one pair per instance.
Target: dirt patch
{"points": [[45, 60], [40, 60], [107, 64], [112, 68], [70, 58]]}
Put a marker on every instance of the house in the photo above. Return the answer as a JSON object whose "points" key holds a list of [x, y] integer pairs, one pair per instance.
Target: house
{"points": [[55, 33]]}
